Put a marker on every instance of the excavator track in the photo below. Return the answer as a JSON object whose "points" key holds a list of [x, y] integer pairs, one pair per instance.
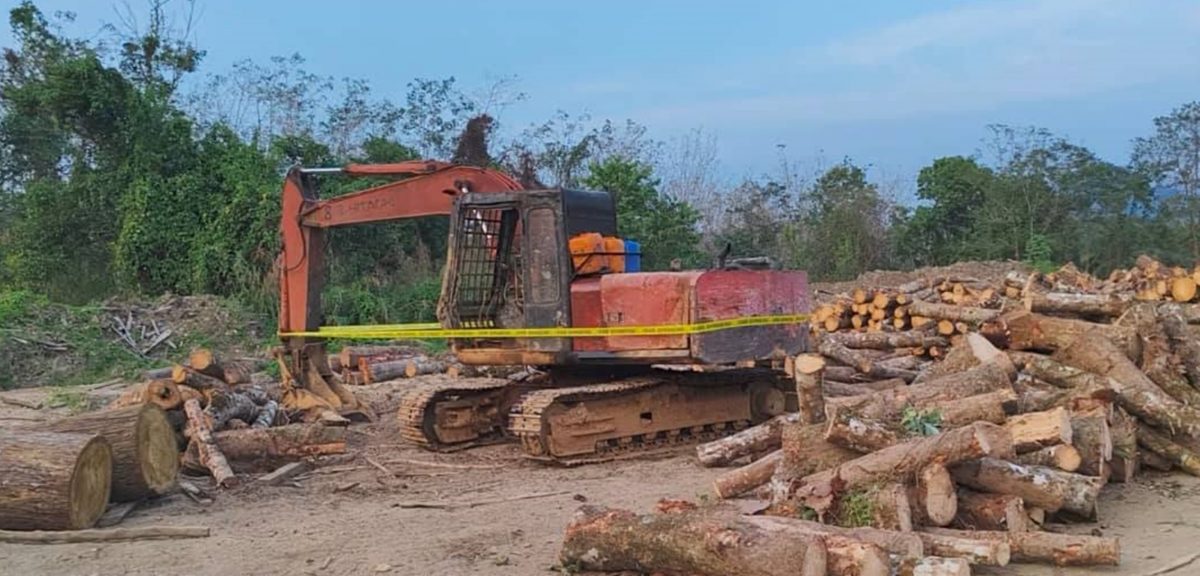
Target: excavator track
{"points": [[454, 416], [638, 416]]}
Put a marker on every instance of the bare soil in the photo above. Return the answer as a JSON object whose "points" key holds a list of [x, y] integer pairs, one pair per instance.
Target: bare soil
{"points": [[347, 517]]}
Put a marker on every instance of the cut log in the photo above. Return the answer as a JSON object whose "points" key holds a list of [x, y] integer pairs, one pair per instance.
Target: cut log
{"points": [[139, 534], [808, 370], [1025, 330], [844, 374], [206, 362], [883, 506], [1183, 289], [1125, 461], [888, 340], [930, 566], [1160, 444], [1064, 457], [805, 452], [199, 381], [423, 366], [1036, 430], [606, 540], [746, 478], [932, 497], [981, 511], [889, 404], [753, 440], [834, 389], [264, 449], [1161, 365], [1155, 461], [991, 407], [1135, 392], [145, 460], [1186, 346], [1038, 486], [53, 480], [266, 416], [902, 461], [832, 349], [383, 371], [900, 544], [1092, 439], [1049, 547], [975, 350], [161, 393], [862, 435], [1071, 304], [952, 313], [207, 450], [226, 405], [986, 552], [351, 356]]}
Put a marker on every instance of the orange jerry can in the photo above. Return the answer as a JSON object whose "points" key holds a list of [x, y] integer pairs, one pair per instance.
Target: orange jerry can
{"points": [[614, 248], [587, 253]]}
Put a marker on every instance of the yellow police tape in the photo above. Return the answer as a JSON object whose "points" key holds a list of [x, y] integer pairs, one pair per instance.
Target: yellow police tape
{"points": [[433, 330]]}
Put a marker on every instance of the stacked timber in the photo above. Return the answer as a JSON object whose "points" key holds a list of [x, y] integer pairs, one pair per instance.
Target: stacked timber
{"points": [[360, 365], [904, 460]]}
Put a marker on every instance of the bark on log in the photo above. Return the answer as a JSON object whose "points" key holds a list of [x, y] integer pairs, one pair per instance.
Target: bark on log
{"points": [[888, 404], [833, 349], [932, 497], [1040, 400], [753, 440], [350, 356], [206, 362], [746, 478], [953, 313], [1037, 430], [1155, 461], [383, 371], [805, 452], [900, 544], [887, 340], [862, 435], [986, 552], [1160, 444], [845, 374], [207, 450], [902, 461], [808, 369], [1135, 392], [841, 389], [1064, 457], [422, 366], [227, 405], [1092, 439], [199, 381], [1028, 331], [1050, 548], [981, 511], [1038, 486], [53, 480], [889, 507], [1186, 346], [264, 449], [1161, 365], [145, 460], [161, 393], [991, 407], [1094, 305], [608, 540]]}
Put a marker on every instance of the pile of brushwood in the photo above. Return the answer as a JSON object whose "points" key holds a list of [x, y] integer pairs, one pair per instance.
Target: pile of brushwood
{"points": [[902, 460]]}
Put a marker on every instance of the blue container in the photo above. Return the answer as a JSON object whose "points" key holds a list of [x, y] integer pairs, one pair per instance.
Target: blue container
{"points": [[633, 256]]}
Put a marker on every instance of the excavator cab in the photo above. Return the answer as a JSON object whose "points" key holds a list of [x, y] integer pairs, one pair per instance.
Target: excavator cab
{"points": [[509, 267]]}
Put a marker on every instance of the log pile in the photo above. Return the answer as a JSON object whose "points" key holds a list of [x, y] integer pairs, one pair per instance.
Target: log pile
{"points": [[361, 365], [955, 415]]}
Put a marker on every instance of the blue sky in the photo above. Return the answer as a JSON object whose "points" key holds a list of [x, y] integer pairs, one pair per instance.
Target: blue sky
{"points": [[888, 83]]}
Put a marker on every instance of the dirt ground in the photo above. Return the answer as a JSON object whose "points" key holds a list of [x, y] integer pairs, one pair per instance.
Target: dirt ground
{"points": [[347, 517]]}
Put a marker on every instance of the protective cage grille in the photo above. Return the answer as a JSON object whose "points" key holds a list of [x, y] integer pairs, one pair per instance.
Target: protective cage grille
{"points": [[487, 279]]}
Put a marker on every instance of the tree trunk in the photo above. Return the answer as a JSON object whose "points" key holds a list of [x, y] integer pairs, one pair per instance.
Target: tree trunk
{"points": [[224, 406], [930, 566], [1028, 331], [206, 448], [889, 507], [991, 407], [887, 340], [1037, 430], [383, 371], [901, 544], [807, 373], [1160, 444], [1093, 440], [859, 434], [932, 497], [980, 511], [1135, 392], [746, 478], [353, 355], [902, 461], [264, 449], [206, 362], [241, 370], [833, 389], [1064, 457], [1184, 343], [1051, 548], [753, 440], [422, 366], [606, 540], [833, 349], [1160, 365], [805, 452], [145, 459], [986, 552], [1038, 486], [1155, 460], [953, 313], [53, 480], [161, 393], [1071, 304], [199, 381], [888, 404]]}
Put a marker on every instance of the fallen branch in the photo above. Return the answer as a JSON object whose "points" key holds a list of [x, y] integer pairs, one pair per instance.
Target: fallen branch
{"points": [[441, 505], [104, 535]]}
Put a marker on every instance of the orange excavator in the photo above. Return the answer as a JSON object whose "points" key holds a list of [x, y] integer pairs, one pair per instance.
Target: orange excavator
{"points": [[550, 258]]}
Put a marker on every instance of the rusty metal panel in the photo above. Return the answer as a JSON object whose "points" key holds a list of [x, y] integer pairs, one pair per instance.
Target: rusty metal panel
{"points": [[723, 294], [587, 312], [647, 299]]}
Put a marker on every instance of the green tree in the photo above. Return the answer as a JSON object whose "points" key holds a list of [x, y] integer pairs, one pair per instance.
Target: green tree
{"points": [[1171, 159], [940, 231], [665, 226], [844, 226]]}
